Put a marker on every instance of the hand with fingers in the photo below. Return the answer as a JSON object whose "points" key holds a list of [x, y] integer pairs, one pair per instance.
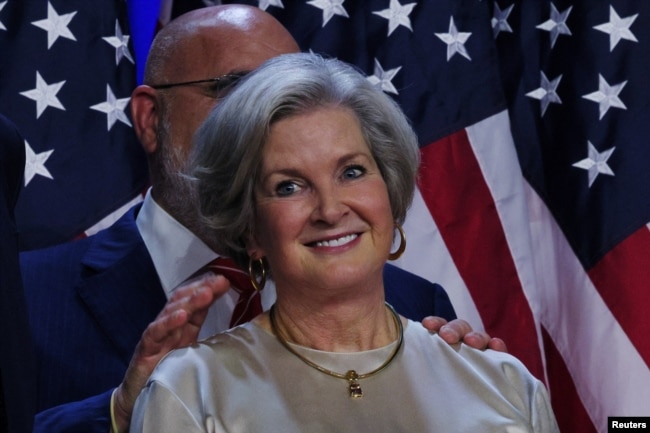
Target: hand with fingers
{"points": [[459, 330], [176, 326]]}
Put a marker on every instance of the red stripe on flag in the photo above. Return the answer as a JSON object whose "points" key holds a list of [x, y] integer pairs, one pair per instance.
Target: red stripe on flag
{"points": [[567, 406], [622, 278], [460, 202]]}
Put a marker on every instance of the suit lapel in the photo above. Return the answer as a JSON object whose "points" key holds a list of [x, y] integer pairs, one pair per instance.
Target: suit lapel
{"points": [[121, 288]]}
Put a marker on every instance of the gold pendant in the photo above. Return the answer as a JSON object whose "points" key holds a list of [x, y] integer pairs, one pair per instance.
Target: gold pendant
{"points": [[355, 387]]}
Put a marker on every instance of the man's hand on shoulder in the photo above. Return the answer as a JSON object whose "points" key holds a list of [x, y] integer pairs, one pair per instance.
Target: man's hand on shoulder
{"points": [[176, 326], [459, 330]]}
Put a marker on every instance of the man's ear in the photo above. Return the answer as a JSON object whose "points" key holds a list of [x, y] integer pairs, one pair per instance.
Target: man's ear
{"points": [[144, 111]]}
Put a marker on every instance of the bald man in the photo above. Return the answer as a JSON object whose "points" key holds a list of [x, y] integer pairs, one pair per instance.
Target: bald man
{"points": [[105, 309]]}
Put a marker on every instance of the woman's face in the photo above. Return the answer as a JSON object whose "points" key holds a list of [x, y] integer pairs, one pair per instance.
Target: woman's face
{"points": [[323, 214]]}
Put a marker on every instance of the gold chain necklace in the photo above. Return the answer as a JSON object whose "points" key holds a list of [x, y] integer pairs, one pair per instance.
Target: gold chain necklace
{"points": [[351, 376]]}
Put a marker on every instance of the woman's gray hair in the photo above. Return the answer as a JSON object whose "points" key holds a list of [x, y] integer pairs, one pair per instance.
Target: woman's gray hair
{"points": [[229, 145]]}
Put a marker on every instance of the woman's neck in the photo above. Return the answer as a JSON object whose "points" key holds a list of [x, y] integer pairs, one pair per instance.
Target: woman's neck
{"points": [[336, 326]]}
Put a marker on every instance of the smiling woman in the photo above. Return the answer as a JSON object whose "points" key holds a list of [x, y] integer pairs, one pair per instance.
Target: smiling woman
{"points": [[307, 169], [229, 147], [323, 215]]}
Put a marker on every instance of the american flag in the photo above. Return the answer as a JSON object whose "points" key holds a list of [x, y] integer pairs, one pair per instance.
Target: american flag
{"points": [[534, 193], [533, 207], [66, 76]]}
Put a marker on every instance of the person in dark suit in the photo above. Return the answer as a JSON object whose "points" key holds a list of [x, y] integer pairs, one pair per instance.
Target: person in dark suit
{"points": [[105, 309], [17, 363]]}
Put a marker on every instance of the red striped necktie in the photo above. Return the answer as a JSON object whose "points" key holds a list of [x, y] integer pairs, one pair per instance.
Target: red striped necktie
{"points": [[249, 304]]}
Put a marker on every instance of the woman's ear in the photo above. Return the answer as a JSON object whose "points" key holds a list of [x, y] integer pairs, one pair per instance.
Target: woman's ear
{"points": [[253, 248], [144, 111]]}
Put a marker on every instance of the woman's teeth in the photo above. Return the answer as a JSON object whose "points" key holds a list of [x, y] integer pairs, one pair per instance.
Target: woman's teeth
{"points": [[337, 242]]}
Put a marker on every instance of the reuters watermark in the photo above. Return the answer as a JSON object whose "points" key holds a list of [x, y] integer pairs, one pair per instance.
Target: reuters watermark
{"points": [[628, 424]]}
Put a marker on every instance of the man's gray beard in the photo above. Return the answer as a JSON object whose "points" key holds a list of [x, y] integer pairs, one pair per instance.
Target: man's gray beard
{"points": [[176, 192]]}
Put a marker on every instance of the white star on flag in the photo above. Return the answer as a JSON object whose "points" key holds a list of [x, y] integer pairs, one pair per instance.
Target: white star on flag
{"points": [[397, 15], [55, 25], [35, 163], [2, 5], [500, 19], [45, 95], [595, 163], [383, 79], [121, 44], [114, 109], [455, 40], [330, 8], [546, 92], [556, 25], [607, 96], [264, 4], [618, 28]]}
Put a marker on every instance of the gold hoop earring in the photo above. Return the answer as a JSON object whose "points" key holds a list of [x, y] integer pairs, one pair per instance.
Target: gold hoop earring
{"points": [[402, 244], [257, 285]]}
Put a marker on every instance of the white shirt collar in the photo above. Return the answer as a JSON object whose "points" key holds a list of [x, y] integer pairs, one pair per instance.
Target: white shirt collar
{"points": [[176, 252]]}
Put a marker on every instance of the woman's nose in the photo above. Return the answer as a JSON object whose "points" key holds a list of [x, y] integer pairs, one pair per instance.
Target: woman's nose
{"points": [[329, 206]]}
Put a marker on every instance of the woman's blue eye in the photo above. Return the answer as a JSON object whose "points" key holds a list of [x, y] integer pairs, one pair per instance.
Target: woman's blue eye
{"points": [[354, 172], [286, 188]]}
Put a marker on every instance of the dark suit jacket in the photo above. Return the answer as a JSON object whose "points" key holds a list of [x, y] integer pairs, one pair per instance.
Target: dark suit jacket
{"points": [[90, 301], [17, 363]]}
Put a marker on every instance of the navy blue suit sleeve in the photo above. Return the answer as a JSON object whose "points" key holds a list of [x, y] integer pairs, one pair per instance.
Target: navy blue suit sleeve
{"points": [[89, 302], [17, 360], [415, 297], [91, 415]]}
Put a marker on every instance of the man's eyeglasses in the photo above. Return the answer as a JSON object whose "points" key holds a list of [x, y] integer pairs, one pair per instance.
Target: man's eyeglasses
{"points": [[217, 85]]}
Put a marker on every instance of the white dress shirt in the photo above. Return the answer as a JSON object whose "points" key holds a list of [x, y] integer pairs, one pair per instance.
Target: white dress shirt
{"points": [[177, 255]]}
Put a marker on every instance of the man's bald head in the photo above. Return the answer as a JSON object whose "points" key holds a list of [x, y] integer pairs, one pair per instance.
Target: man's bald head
{"points": [[203, 44], [227, 38]]}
